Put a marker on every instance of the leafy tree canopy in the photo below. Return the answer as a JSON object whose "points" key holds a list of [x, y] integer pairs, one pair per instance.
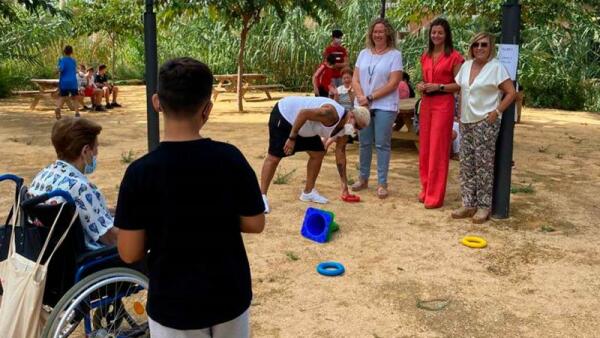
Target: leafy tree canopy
{"points": [[9, 8]]}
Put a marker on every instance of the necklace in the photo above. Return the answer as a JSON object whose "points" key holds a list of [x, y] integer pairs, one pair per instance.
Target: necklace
{"points": [[371, 68], [379, 51]]}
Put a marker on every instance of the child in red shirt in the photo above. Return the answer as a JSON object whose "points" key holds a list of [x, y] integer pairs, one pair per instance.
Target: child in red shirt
{"points": [[323, 75]]}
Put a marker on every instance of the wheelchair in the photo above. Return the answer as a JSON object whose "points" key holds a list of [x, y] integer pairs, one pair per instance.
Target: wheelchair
{"points": [[88, 294]]}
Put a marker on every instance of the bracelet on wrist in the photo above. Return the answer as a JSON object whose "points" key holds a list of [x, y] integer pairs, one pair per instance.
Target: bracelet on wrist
{"points": [[370, 98], [293, 138], [498, 112]]}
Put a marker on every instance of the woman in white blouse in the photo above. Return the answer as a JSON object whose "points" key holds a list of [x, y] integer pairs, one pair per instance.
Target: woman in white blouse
{"points": [[377, 73], [483, 81]]}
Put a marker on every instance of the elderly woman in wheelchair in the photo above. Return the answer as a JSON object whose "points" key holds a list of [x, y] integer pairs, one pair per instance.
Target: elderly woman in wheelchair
{"points": [[76, 143], [89, 291]]}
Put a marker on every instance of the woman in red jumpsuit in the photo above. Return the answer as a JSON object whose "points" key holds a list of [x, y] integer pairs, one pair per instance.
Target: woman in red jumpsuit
{"points": [[439, 65]]}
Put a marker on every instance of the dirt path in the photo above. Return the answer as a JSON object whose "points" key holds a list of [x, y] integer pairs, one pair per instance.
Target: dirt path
{"points": [[539, 276]]}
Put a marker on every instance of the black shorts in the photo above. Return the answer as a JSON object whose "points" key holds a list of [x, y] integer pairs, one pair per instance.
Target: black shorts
{"points": [[323, 92], [279, 131], [67, 92]]}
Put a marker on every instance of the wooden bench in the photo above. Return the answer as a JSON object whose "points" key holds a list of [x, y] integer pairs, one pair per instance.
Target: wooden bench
{"points": [[406, 111], [218, 89], [267, 88], [39, 94], [32, 93], [36, 94]]}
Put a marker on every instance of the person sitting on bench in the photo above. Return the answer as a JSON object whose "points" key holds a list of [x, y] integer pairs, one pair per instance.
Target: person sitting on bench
{"points": [[101, 81]]}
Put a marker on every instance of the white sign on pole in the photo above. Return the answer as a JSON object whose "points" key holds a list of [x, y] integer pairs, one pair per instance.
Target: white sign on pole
{"points": [[509, 57]]}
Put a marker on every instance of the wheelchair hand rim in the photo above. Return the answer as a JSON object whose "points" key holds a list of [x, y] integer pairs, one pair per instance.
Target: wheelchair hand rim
{"points": [[330, 269]]}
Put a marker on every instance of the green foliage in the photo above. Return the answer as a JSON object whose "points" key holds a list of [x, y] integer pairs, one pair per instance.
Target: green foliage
{"points": [[592, 95], [116, 18], [127, 156], [9, 10], [292, 256], [288, 51], [560, 56], [527, 189], [283, 177], [6, 82], [547, 228], [560, 44], [559, 60], [240, 16], [27, 35]]}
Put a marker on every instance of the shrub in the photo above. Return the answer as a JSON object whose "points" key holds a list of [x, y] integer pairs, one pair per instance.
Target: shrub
{"points": [[6, 82]]}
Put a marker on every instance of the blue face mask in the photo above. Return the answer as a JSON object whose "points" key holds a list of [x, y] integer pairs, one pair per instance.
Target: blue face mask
{"points": [[89, 168]]}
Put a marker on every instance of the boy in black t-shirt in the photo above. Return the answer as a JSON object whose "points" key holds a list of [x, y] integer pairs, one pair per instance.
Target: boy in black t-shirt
{"points": [[187, 202], [101, 81]]}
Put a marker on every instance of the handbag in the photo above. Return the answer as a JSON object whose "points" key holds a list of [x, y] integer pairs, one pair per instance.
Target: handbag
{"points": [[24, 281]]}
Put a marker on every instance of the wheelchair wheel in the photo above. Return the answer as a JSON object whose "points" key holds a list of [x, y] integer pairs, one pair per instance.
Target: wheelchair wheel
{"points": [[108, 303]]}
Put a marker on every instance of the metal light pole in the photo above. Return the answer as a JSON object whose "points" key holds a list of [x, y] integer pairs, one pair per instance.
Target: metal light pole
{"points": [[511, 26], [382, 14], [151, 73]]}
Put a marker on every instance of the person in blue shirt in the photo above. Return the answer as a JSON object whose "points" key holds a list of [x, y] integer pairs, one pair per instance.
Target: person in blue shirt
{"points": [[67, 81]]}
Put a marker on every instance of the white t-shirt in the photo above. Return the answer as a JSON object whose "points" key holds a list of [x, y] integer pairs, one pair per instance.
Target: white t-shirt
{"points": [[374, 72], [81, 80], [483, 95], [290, 106], [344, 99]]}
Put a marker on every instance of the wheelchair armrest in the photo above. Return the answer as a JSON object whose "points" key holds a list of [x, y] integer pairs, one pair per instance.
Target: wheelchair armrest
{"points": [[97, 254]]}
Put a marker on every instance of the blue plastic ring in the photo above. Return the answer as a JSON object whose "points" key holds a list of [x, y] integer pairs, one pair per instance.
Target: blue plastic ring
{"points": [[330, 269]]}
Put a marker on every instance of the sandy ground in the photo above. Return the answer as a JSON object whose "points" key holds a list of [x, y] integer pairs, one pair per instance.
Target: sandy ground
{"points": [[529, 281]]}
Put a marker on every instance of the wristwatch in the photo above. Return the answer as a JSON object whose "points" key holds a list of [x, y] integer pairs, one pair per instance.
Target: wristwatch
{"points": [[293, 138], [370, 98], [442, 88]]}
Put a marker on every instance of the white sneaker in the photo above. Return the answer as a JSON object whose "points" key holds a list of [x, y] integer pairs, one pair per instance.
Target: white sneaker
{"points": [[266, 202], [313, 196]]}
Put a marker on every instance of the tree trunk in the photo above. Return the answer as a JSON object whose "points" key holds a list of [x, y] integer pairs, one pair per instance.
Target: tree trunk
{"points": [[240, 70], [113, 37]]}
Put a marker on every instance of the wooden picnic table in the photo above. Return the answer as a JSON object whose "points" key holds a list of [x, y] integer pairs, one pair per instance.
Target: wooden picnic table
{"points": [[250, 81], [46, 88], [406, 111], [232, 78]]}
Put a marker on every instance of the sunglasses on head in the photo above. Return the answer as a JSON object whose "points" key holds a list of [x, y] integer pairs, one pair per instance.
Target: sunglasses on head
{"points": [[480, 45]]}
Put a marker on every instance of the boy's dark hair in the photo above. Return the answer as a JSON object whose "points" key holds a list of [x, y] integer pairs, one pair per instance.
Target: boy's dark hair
{"points": [[101, 67], [90, 68], [336, 33], [68, 50], [184, 84], [330, 59]]}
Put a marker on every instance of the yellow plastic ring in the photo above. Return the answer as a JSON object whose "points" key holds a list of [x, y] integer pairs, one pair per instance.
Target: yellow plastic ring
{"points": [[474, 242]]}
